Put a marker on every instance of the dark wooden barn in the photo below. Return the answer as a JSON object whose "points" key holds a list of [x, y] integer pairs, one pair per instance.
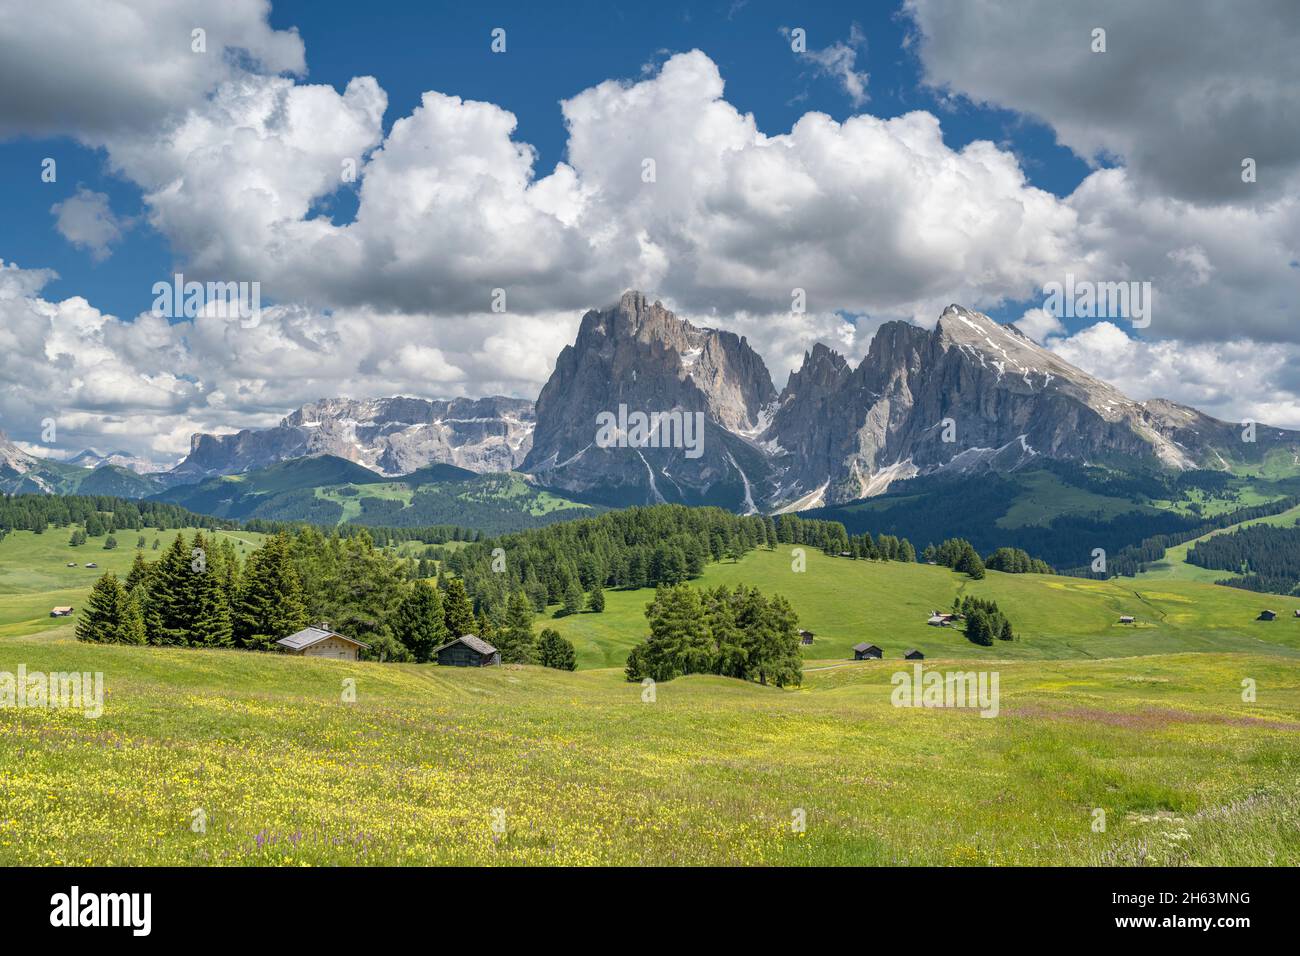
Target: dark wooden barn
{"points": [[864, 652], [805, 637], [1267, 615], [913, 655], [467, 651]]}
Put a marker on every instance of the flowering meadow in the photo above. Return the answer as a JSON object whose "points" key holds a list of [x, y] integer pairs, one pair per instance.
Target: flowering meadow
{"points": [[227, 757]]}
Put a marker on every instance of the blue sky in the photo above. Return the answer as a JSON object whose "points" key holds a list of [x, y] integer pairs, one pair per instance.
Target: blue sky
{"points": [[410, 47]]}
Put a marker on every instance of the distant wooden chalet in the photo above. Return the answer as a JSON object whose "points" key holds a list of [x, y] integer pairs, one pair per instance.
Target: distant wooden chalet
{"points": [[1267, 615], [467, 651], [942, 619], [60, 612], [913, 655], [864, 652], [322, 642], [805, 637], [1126, 619]]}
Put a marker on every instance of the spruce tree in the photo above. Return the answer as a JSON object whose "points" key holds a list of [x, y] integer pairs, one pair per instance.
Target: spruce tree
{"points": [[132, 630], [171, 602], [139, 573], [457, 610], [270, 604], [572, 602], [210, 624], [515, 642], [554, 651], [105, 612], [596, 599], [419, 623]]}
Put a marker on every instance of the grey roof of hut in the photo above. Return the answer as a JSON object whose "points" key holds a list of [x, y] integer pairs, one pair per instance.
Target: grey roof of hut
{"points": [[865, 647], [314, 635], [472, 642]]}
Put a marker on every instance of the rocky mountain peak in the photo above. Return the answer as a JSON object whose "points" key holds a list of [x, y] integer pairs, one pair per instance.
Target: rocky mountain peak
{"points": [[13, 459]]}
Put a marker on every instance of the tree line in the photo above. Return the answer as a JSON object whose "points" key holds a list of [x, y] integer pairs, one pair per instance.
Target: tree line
{"points": [[1267, 557], [99, 515], [200, 594]]}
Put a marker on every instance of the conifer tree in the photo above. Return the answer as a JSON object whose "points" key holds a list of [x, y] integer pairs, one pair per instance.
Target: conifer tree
{"points": [[270, 604], [171, 602], [139, 573], [105, 612], [596, 598], [132, 630], [572, 600], [419, 623], [554, 651], [515, 642], [457, 610], [210, 624]]}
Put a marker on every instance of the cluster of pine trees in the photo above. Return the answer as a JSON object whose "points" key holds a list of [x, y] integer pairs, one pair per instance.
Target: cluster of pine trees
{"points": [[200, 594], [735, 633], [985, 623], [98, 515], [1267, 557], [1016, 561], [958, 554]]}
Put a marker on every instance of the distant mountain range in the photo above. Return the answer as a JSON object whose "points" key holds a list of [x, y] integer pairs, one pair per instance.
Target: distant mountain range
{"points": [[21, 473], [969, 397], [392, 436]]}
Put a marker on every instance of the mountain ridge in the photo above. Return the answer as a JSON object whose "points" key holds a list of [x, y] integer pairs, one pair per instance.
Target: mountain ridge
{"points": [[968, 396]]}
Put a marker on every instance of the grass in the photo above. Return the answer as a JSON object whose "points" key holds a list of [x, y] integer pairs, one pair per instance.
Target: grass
{"points": [[1174, 564], [844, 602], [1046, 497], [34, 575], [579, 769], [1146, 724]]}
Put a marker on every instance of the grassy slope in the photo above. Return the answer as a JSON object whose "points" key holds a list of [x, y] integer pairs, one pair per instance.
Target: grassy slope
{"points": [[585, 771], [1046, 497], [844, 602], [34, 576], [710, 772], [1175, 566]]}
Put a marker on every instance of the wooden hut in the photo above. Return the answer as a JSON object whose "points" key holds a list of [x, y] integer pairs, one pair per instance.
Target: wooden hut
{"points": [[467, 651], [913, 655], [1267, 615], [61, 612], [864, 652], [1126, 619], [805, 637], [321, 642]]}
